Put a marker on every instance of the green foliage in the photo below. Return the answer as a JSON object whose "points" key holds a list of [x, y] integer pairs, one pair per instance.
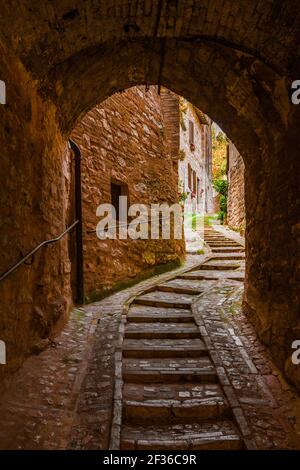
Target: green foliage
{"points": [[223, 204], [209, 219], [221, 216], [221, 186], [219, 152]]}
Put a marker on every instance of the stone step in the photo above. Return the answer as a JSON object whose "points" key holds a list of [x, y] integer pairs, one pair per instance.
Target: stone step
{"points": [[228, 257], [224, 242], [221, 261], [239, 276], [164, 403], [224, 245], [213, 275], [175, 287], [161, 330], [228, 250], [217, 242], [160, 318], [202, 275], [215, 435], [165, 299], [169, 370], [218, 266], [154, 348], [143, 313], [225, 258], [216, 239]]}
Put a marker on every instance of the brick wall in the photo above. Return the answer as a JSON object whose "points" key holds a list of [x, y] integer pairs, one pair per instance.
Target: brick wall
{"points": [[124, 140], [170, 110], [236, 192]]}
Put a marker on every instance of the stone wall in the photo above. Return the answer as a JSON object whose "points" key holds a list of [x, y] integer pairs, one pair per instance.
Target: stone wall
{"points": [[170, 111], [236, 191], [34, 192], [177, 113], [209, 202], [123, 140], [192, 182]]}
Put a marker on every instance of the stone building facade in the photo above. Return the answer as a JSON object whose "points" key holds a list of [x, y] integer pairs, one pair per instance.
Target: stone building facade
{"points": [[194, 165], [124, 152], [236, 190], [189, 136]]}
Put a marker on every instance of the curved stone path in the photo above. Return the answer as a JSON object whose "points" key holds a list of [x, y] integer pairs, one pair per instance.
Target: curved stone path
{"points": [[175, 395], [72, 395]]}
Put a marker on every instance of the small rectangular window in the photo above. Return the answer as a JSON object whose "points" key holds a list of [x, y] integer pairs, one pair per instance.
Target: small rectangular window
{"points": [[194, 182], [189, 176], [191, 132], [116, 190]]}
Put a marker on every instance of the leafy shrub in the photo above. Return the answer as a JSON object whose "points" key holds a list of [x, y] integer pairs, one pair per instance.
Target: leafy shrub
{"points": [[221, 186]]}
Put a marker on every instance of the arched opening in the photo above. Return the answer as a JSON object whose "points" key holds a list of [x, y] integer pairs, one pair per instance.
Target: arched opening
{"points": [[240, 77]]}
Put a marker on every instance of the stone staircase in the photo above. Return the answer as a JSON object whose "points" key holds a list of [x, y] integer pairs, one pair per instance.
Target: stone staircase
{"points": [[172, 396]]}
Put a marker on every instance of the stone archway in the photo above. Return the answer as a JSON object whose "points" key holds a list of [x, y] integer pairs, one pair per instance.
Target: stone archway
{"points": [[236, 62]]}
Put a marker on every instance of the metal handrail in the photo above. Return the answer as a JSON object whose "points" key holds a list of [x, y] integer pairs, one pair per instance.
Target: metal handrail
{"points": [[37, 248]]}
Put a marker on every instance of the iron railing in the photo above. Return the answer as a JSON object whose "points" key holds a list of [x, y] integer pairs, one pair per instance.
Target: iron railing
{"points": [[37, 248], [77, 223]]}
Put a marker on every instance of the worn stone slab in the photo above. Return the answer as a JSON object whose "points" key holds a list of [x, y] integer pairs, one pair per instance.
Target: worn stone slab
{"points": [[163, 348], [174, 401], [176, 285], [213, 275], [161, 330], [219, 266], [165, 299], [226, 249], [169, 370], [229, 257], [144, 313], [221, 435]]}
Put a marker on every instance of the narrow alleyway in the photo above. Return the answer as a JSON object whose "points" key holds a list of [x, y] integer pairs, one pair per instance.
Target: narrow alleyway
{"points": [[195, 376], [176, 395], [88, 115]]}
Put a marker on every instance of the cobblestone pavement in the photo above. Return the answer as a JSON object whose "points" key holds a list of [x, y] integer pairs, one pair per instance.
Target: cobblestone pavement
{"points": [[63, 398]]}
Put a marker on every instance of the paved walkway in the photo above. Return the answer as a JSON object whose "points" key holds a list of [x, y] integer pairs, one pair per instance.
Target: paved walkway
{"points": [[63, 398]]}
